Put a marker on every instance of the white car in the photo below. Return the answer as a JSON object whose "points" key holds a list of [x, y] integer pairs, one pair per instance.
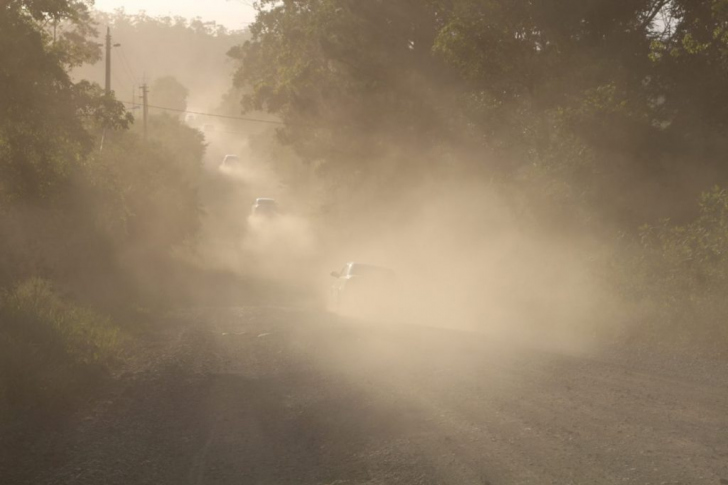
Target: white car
{"points": [[364, 290], [191, 119], [264, 207], [230, 162]]}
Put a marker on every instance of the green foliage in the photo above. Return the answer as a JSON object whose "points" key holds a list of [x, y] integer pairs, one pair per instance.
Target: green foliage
{"points": [[84, 201], [45, 119], [49, 347], [676, 275], [35, 311], [501, 86], [145, 194], [66, 206], [697, 251], [483, 81], [133, 198], [349, 77], [168, 92], [692, 65]]}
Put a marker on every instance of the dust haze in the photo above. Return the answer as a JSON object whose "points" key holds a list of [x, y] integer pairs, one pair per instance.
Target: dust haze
{"points": [[468, 242], [463, 254], [463, 257], [466, 253]]}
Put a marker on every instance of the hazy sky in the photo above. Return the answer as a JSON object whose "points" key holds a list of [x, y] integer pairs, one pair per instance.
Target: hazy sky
{"points": [[233, 14]]}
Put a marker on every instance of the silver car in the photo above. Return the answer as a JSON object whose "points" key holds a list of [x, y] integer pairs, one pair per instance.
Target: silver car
{"points": [[264, 207], [230, 162], [364, 290]]}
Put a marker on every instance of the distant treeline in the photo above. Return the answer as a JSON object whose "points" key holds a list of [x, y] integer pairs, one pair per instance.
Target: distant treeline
{"points": [[192, 51]]}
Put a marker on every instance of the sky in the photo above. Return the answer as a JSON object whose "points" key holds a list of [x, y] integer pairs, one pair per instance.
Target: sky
{"points": [[233, 14]]}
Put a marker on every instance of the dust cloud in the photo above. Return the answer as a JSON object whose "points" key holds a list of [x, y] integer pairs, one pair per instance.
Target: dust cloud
{"points": [[279, 248], [464, 261], [463, 256]]}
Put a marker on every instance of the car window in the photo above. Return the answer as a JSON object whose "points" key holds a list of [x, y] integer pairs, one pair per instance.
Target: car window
{"points": [[370, 270]]}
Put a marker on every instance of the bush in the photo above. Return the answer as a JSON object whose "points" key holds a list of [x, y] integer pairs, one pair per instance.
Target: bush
{"points": [[677, 275], [50, 348]]}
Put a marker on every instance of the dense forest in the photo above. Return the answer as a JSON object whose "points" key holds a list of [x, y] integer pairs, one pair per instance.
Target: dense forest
{"points": [[597, 124]]}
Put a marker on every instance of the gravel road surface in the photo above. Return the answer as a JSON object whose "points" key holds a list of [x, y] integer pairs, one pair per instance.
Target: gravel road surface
{"points": [[274, 395]]}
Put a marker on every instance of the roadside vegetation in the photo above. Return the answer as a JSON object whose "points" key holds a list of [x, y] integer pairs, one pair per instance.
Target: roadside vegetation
{"points": [[676, 275], [51, 349], [90, 211]]}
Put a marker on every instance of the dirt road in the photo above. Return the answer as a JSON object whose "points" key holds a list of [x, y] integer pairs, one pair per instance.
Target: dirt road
{"points": [[267, 395]]}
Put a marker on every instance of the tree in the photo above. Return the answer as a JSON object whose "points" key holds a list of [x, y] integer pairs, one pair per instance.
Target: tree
{"points": [[610, 101], [67, 207], [167, 92], [191, 51], [45, 118], [351, 78]]}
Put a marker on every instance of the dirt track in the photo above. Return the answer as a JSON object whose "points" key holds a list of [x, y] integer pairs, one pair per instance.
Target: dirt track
{"points": [[266, 395]]}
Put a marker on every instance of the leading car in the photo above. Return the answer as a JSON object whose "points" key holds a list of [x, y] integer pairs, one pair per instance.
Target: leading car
{"points": [[264, 207], [364, 290]]}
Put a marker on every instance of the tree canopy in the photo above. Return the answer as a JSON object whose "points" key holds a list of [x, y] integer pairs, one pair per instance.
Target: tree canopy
{"points": [[617, 100], [168, 92], [78, 186]]}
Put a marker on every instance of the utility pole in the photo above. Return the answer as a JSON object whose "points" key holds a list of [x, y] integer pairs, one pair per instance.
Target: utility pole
{"points": [[108, 61], [109, 45], [107, 88], [145, 108]]}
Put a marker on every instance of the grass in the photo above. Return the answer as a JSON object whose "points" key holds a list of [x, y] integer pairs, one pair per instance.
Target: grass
{"points": [[51, 349]]}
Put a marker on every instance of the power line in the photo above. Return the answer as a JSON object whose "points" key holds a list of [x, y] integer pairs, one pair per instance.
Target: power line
{"points": [[126, 62], [127, 65], [127, 76], [116, 79], [213, 115], [228, 132]]}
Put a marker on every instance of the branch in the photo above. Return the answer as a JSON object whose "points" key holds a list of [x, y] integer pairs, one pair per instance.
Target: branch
{"points": [[651, 16]]}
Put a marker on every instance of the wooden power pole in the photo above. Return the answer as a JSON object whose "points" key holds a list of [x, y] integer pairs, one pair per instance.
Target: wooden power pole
{"points": [[108, 61]]}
